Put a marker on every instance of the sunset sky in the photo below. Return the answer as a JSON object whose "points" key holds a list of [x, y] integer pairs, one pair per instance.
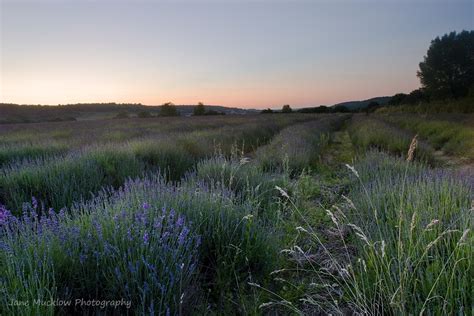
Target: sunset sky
{"points": [[251, 54]]}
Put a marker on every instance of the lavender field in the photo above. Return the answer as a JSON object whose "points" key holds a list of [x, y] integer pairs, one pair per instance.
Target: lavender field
{"points": [[306, 214]]}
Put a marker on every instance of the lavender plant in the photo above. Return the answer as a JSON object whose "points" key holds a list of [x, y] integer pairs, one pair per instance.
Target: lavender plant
{"points": [[234, 242], [145, 255]]}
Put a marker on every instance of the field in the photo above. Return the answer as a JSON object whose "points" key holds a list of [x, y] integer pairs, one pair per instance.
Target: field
{"points": [[239, 214]]}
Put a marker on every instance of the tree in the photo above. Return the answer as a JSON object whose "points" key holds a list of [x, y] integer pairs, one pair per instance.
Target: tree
{"points": [[286, 109], [199, 109], [448, 67], [266, 111], [169, 109]]}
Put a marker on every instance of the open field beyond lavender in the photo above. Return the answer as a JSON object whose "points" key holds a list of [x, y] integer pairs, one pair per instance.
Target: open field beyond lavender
{"points": [[254, 214]]}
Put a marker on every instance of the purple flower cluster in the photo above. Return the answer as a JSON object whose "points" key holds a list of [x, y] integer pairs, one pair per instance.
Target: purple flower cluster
{"points": [[4, 215]]}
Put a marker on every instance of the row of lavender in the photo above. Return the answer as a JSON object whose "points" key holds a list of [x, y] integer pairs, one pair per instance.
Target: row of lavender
{"points": [[156, 244], [62, 180]]}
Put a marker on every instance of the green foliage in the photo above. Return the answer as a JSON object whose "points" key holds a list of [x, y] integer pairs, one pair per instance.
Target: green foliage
{"points": [[169, 109], [247, 179], [13, 153], [447, 70], [399, 244], [418, 254], [63, 181], [199, 109], [369, 133], [451, 137]]}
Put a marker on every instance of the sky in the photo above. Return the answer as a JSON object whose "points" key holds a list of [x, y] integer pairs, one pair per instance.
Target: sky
{"points": [[251, 54]]}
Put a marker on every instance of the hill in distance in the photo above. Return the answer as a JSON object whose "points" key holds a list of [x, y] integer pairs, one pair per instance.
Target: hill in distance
{"points": [[354, 105]]}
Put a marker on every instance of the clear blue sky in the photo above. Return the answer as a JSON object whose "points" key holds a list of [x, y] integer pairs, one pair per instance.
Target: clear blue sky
{"points": [[236, 53]]}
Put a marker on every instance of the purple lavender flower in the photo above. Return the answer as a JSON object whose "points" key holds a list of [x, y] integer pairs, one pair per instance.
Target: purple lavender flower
{"points": [[182, 236], [34, 202], [180, 221], [145, 238], [4, 215], [157, 223]]}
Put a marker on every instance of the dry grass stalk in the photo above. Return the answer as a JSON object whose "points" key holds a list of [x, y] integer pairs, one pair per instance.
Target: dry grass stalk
{"points": [[411, 150]]}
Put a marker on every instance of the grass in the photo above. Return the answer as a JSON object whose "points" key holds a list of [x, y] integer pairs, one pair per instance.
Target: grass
{"points": [[253, 215], [399, 244], [453, 138], [426, 260], [368, 132]]}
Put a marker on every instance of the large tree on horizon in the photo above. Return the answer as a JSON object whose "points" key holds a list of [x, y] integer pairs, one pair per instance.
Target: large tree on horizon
{"points": [[448, 67]]}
